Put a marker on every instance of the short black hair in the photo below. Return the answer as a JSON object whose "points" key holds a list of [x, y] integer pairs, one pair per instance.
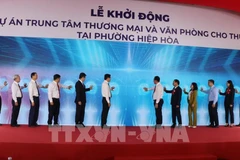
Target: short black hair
{"points": [[177, 81], [211, 80], [33, 74], [81, 75], [157, 78], [56, 76], [106, 76]]}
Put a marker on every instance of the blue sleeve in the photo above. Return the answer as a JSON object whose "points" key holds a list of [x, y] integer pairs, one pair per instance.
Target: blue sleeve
{"points": [[207, 91], [215, 93]]}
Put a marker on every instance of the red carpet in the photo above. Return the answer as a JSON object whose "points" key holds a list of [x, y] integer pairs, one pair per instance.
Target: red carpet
{"points": [[131, 143]]}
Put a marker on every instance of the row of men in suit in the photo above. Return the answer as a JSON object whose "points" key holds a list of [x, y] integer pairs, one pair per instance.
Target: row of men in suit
{"points": [[54, 96], [34, 98], [158, 101], [80, 100], [192, 102]]}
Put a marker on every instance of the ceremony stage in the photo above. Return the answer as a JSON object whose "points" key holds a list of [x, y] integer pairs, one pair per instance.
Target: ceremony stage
{"points": [[204, 143]]}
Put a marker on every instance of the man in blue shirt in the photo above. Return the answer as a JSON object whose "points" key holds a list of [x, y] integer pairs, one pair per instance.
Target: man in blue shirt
{"points": [[213, 103]]}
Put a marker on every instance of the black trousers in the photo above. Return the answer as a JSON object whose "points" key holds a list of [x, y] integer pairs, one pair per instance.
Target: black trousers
{"points": [[53, 111], [228, 110], [213, 113], [104, 111], [176, 113], [80, 112], [158, 111], [15, 111], [0, 104], [34, 111]]}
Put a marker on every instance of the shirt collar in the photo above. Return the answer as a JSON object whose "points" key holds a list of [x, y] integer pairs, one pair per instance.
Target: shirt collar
{"points": [[105, 81], [81, 81], [158, 84], [33, 80], [16, 82]]}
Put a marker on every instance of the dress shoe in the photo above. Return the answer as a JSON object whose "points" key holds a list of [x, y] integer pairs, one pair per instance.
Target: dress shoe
{"points": [[106, 127], [173, 126], [32, 126], [15, 125], [56, 125], [158, 126], [83, 125], [79, 126], [211, 125]]}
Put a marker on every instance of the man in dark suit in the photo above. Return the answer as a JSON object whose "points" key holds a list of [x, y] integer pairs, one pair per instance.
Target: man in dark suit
{"points": [[80, 100], [175, 102]]}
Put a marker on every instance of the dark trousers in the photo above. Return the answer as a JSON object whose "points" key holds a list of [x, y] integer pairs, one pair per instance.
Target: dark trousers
{"points": [[213, 113], [53, 111], [80, 112], [176, 113], [158, 111], [0, 104], [15, 111], [34, 111], [228, 110], [104, 111]]}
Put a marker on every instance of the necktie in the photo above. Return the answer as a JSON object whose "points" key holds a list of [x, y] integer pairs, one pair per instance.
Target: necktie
{"points": [[154, 91], [20, 90], [37, 89], [58, 90], [173, 91], [109, 90], [83, 85]]}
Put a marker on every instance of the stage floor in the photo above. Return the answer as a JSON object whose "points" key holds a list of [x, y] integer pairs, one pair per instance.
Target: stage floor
{"points": [[93, 143]]}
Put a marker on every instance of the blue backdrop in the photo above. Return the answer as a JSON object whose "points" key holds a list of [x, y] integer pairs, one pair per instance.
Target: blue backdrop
{"points": [[132, 66]]}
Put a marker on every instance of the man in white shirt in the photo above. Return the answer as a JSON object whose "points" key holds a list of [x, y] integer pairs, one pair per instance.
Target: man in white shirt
{"points": [[1, 87], [54, 99], [157, 100], [34, 94], [16, 99], [106, 94]]}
